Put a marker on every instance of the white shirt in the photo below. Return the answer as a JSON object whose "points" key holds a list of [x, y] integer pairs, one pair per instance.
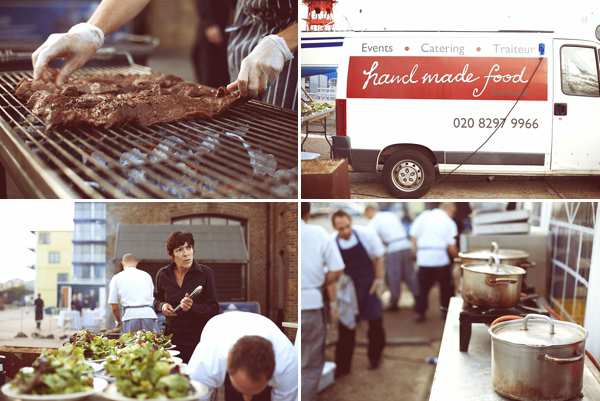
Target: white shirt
{"points": [[208, 363], [369, 239], [434, 231], [389, 228], [133, 287], [318, 255]]}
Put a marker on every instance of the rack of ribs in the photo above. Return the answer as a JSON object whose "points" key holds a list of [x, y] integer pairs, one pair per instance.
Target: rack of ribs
{"points": [[109, 99]]}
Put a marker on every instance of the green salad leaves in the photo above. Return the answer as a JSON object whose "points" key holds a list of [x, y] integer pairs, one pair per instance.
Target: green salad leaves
{"points": [[61, 371], [155, 340], [94, 347], [142, 372]]}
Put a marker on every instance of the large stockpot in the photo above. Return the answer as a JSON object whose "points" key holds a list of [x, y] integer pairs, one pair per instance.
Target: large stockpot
{"points": [[512, 257], [492, 285], [535, 359]]}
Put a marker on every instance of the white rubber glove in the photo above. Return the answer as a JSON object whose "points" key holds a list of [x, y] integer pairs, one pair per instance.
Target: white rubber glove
{"points": [[262, 65], [377, 287], [77, 47]]}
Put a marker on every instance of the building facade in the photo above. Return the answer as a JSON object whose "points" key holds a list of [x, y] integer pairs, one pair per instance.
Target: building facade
{"points": [[270, 276], [54, 268], [89, 253]]}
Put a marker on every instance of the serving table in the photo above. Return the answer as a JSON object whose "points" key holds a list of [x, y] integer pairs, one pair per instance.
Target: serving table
{"points": [[467, 376]]}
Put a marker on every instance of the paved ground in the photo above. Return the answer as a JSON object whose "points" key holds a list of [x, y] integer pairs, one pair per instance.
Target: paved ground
{"points": [[370, 185], [404, 373], [22, 319]]}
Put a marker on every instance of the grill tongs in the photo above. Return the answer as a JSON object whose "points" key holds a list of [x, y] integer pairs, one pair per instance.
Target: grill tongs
{"points": [[198, 290]]}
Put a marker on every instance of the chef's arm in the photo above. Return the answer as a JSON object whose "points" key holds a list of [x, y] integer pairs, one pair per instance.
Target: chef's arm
{"points": [[332, 277], [453, 251], [114, 308], [379, 268], [113, 14], [158, 298], [290, 35]]}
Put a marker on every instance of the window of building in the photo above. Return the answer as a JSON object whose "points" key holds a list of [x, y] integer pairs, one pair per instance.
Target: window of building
{"points": [[54, 257], [45, 238], [213, 220], [82, 271], [579, 71], [572, 227], [63, 277]]}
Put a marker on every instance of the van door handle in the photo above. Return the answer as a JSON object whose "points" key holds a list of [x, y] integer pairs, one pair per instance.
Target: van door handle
{"points": [[560, 109]]}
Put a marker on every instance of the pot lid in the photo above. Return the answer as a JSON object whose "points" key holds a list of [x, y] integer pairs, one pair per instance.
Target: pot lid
{"points": [[493, 269], [538, 331], [484, 254]]}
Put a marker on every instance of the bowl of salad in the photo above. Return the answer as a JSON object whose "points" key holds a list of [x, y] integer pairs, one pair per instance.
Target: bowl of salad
{"points": [[143, 373], [55, 375]]}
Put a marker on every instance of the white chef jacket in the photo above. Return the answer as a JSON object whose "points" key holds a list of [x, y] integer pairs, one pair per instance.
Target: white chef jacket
{"points": [[208, 363], [133, 287], [318, 254], [434, 231], [369, 239], [389, 228]]}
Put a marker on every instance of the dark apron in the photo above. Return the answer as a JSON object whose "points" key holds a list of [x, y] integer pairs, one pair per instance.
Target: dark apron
{"points": [[359, 267], [231, 394]]}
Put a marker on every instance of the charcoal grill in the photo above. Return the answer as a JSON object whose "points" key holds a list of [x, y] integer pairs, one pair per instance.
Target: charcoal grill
{"points": [[250, 151]]}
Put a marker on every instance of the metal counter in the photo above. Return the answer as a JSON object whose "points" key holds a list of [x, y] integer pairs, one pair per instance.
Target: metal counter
{"points": [[468, 376]]}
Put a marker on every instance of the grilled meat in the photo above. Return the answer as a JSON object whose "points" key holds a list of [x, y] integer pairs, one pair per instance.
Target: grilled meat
{"points": [[106, 100]]}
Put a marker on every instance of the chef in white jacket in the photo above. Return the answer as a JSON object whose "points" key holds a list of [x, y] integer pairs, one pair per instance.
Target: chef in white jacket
{"points": [[244, 356]]}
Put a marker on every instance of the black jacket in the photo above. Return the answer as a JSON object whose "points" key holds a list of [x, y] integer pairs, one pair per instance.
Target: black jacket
{"points": [[205, 304]]}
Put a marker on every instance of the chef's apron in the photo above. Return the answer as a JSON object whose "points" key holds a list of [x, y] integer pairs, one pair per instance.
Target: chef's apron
{"points": [[231, 394], [359, 267]]}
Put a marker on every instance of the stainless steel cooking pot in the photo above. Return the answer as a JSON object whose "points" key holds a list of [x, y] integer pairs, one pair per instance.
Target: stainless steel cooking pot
{"points": [[492, 284], [537, 359], [513, 257]]}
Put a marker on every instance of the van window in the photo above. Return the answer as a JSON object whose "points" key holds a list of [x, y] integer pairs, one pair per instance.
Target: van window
{"points": [[579, 68]]}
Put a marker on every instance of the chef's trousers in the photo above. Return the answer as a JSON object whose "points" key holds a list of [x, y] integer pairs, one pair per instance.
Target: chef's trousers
{"points": [[347, 340], [399, 266], [313, 333], [427, 277]]}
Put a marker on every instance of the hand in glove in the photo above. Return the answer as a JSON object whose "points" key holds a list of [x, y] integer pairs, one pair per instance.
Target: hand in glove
{"points": [[263, 65], [377, 287], [77, 47]]}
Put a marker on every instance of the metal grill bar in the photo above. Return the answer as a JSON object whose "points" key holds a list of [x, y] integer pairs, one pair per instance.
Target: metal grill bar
{"points": [[248, 152]]}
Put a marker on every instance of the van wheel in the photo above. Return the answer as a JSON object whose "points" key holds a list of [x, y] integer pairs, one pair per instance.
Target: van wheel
{"points": [[408, 174]]}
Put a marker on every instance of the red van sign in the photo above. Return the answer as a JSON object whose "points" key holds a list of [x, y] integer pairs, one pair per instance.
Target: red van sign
{"points": [[464, 78]]}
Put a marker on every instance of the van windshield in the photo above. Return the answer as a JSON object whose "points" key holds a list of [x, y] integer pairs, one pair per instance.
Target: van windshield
{"points": [[579, 67]]}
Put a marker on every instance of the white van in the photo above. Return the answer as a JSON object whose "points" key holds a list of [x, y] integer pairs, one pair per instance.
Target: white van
{"points": [[416, 104]]}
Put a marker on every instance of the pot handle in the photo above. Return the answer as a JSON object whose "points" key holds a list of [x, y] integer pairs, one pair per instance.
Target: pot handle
{"points": [[536, 316], [496, 281], [494, 261], [494, 247], [562, 361], [527, 264]]}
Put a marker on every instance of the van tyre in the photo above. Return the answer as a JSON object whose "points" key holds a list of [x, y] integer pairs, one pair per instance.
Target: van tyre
{"points": [[408, 174]]}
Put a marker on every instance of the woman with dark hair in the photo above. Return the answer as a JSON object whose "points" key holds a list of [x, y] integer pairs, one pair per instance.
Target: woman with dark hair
{"points": [[174, 284]]}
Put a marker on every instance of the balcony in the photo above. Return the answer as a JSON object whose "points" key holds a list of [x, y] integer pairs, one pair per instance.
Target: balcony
{"points": [[88, 258], [89, 237]]}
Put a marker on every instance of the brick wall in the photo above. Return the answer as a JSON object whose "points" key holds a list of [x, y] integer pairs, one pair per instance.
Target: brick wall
{"points": [[174, 22], [279, 247]]}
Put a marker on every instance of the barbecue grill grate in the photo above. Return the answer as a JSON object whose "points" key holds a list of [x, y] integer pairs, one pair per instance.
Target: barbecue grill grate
{"points": [[251, 151]]}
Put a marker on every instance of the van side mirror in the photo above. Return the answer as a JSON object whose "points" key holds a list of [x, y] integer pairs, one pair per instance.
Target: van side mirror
{"points": [[598, 32]]}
